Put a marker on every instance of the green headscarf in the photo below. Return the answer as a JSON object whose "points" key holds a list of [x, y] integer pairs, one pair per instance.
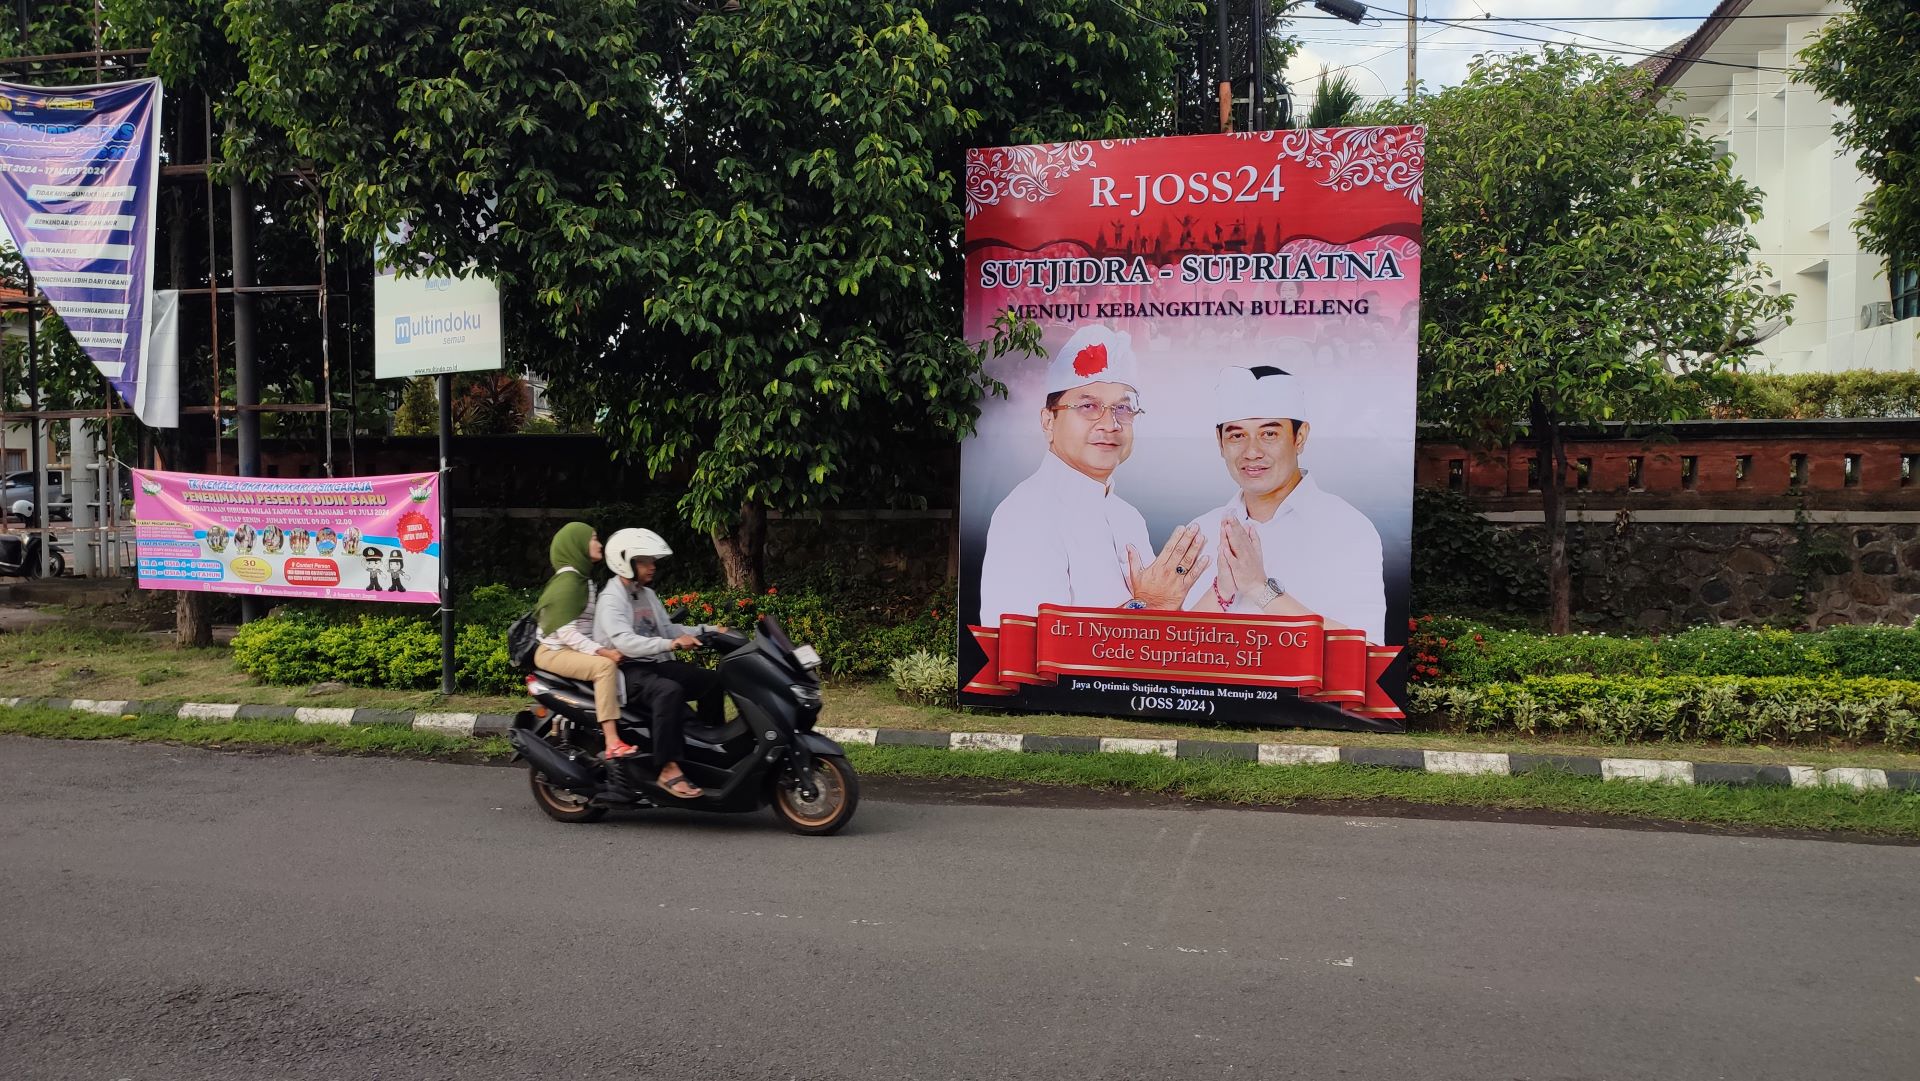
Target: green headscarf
{"points": [[566, 594]]}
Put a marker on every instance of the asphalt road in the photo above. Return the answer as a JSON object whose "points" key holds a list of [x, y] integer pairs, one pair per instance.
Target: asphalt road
{"points": [[175, 913]]}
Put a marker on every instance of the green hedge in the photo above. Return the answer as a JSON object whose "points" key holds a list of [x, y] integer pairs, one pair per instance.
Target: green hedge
{"points": [[856, 637], [1725, 709], [1810, 395], [1463, 652]]}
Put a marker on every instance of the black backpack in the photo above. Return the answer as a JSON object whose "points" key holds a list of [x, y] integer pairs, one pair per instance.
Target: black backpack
{"points": [[522, 639]]}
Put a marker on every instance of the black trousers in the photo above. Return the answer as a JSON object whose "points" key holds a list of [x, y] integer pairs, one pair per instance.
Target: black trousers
{"points": [[666, 687]]}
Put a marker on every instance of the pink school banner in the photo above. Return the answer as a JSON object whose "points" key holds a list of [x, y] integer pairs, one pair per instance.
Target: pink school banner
{"points": [[352, 538]]}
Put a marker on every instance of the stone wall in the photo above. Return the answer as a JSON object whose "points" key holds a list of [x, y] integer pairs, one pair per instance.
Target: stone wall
{"points": [[1669, 575]]}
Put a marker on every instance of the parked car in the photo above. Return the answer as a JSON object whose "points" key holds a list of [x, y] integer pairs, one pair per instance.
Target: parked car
{"points": [[19, 486]]}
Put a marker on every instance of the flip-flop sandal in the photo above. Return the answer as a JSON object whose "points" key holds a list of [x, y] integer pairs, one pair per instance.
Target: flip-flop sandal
{"points": [[629, 752], [682, 788]]}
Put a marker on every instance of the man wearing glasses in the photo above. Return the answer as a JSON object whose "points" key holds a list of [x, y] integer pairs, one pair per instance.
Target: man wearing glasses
{"points": [[1284, 547], [1062, 536]]}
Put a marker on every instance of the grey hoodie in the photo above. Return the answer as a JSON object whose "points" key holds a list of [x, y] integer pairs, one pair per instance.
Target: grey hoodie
{"points": [[637, 625]]}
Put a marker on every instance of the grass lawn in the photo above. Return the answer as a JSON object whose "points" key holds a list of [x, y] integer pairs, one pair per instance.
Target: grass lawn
{"points": [[79, 658], [1826, 809], [1822, 809], [381, 739]]}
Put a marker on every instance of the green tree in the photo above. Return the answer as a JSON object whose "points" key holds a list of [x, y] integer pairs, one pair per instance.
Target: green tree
{"points": [[1587, 259], [733, 235], [1335, 101], [1863, 60], [419, 412]]}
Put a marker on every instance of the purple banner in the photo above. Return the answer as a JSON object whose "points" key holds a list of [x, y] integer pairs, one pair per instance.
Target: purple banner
{"points": [[79, 174], [351, 538]]}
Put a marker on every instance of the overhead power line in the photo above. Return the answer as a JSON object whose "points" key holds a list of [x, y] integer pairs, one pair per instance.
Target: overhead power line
{"points": [[1468, 24]]}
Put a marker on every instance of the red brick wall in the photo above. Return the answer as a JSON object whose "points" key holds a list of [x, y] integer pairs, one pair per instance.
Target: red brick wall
{"points": [[1500, 477]]}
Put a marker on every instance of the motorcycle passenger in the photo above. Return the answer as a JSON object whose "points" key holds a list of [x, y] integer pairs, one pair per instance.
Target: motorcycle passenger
{"points": [[633, 621], [567, 647]]}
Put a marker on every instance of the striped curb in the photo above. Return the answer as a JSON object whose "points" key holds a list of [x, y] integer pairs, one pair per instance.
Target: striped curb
{"points": [[1457, 763]]}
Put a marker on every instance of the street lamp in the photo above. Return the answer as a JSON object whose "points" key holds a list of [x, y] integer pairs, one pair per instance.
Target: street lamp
{"points": [[1347, 10]]}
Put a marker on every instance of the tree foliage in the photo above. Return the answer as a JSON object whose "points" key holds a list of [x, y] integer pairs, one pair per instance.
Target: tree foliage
{"points": [[1335, 101], [419, 411], [1587, 258], [1864, 61], [735, 233]]}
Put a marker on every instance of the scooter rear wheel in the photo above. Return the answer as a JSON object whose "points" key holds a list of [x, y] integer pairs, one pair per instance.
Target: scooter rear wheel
{"points": [[837, 794], [560, 804]]}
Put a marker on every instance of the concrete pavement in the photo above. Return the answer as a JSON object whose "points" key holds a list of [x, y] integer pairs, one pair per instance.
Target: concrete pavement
{"points": [[170, 913]]}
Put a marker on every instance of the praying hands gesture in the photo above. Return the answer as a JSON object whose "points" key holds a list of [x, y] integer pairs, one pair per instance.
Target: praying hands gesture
{"points": [[1243, 566], [1164, 582]]}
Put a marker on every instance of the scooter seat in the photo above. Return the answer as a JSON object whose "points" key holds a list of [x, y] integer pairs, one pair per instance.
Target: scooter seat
{"points": [[715, 734], [565, 682]]}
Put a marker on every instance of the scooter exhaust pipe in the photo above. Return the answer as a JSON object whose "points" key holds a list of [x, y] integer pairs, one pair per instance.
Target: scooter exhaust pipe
{"points": [[572, 774]]}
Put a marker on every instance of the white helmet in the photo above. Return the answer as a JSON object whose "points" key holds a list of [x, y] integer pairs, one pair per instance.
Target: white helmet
{"points": [[627, 544], [23, 507]]}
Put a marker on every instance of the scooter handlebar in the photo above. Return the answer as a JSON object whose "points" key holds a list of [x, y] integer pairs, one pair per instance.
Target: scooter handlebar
{"points": [[723, 640]]}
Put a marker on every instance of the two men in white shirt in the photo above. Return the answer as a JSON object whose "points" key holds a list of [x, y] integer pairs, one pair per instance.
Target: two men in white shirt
{"points": [[1280, 546]]}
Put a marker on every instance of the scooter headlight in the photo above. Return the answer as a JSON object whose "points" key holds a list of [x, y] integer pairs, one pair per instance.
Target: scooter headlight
{"points": [[808, 697]]}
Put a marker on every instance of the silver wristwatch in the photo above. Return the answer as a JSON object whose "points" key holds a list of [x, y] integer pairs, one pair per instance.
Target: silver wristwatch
{"points": [[1274, 592]]}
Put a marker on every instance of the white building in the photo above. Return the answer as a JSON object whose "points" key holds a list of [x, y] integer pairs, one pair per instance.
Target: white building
{"points": [[1779, 134]]}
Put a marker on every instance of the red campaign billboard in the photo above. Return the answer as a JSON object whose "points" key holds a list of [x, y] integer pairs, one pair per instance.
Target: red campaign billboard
{"points": [[1196, 500]]}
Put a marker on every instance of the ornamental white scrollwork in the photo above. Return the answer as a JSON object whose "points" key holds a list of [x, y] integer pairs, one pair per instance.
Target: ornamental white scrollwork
{"points": [[1356, 157], [1028, 173]]}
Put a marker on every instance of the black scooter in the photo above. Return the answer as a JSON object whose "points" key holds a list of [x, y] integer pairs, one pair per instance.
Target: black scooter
{"points": [[769, 755], [20, 552]]}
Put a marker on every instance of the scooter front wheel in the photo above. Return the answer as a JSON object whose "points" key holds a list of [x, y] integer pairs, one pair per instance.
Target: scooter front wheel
{"points": [[836, 794], [560, 804]]}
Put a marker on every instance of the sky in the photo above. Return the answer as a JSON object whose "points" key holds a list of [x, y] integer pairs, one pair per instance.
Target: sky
{"points": [[1374, 54]]}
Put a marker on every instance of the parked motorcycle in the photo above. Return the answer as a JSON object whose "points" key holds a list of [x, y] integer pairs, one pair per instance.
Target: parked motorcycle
{"points": [[768, 755], [20, 552]]}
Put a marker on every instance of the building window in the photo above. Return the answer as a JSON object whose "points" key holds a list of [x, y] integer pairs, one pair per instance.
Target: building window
{"points": [[1850, 470], [1742, 469], [1796, 470], [1456, 473], [1689, 470], [16, 460], [1533, 474], [1904, 276], [1909, 469], [1583, 473], [1635, 465]]}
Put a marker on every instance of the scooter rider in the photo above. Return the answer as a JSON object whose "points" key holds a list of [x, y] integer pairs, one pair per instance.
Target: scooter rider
{"points": [[633, 621]]}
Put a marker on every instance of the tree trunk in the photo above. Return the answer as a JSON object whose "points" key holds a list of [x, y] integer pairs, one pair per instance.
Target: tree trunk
{"points": [[1553, 507], [192, 623], [743, 552]]}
